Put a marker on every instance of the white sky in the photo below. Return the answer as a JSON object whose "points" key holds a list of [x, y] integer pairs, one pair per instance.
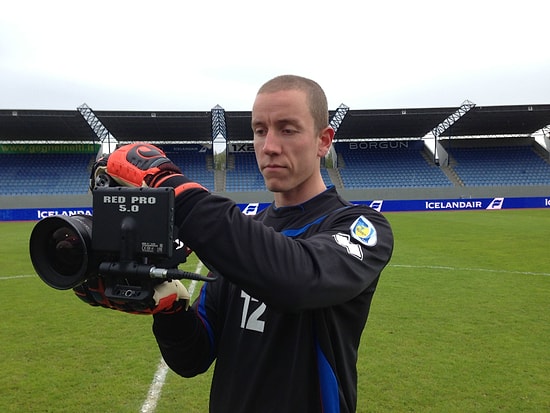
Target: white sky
{"points": [[191, 55]]}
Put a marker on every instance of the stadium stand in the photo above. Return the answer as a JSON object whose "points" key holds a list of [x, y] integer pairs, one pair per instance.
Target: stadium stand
{"points": [[29, 174], [500, 166], [242, 174], [389, 168], [44, 174], [196, 165]]}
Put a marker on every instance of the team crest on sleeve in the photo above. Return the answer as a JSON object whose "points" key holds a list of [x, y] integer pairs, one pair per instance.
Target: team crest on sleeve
{"points": [[364, 232]]}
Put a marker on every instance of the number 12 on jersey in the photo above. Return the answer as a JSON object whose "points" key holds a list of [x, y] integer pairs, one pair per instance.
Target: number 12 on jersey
{"points": [[251, 319]]}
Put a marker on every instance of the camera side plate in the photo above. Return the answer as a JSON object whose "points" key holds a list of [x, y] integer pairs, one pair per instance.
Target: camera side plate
{"points": [[136, 221]]}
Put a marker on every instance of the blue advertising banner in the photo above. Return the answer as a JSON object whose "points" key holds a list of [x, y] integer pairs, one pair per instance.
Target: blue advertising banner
{"points": [[34, 214], [457, 204], [434, 204]]}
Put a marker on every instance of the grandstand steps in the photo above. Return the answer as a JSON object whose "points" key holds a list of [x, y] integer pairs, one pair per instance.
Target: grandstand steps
{"points": [[341, 163], [447, 170], [209, 162], [219, 180], [451, 174], [230, 162], [335, 177]]}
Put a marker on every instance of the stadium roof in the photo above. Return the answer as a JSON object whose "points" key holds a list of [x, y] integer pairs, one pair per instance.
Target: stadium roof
{"points": [[69, 125]]}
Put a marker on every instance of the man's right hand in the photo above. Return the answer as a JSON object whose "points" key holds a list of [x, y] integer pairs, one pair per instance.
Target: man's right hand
{"points": [[169, 297], [143, 164], [140, 164]]}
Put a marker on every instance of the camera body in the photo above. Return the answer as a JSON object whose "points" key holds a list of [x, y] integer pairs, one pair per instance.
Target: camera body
{"points": [[133, 245], [135, 222]]}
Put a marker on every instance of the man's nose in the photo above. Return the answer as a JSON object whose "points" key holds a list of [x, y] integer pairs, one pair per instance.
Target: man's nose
{"points": [[271, 143]]}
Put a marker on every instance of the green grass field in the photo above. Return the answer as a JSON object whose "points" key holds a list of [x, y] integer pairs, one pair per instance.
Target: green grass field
{"points": [[460, 323]]}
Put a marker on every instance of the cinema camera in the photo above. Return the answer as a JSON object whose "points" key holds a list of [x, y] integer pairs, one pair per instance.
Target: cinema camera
{"points": [[133, 245]]}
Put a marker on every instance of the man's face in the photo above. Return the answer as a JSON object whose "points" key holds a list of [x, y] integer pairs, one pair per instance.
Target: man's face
{"points": [[287, 145]]}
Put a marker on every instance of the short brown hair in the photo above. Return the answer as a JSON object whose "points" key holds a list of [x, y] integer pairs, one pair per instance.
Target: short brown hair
{"points": [[315, 95]]}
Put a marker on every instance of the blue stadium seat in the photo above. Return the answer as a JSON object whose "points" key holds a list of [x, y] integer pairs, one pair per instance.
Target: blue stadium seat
{"points": [[500, 166], [45, 174], [245, 176], [389, 168], [194, 165]]}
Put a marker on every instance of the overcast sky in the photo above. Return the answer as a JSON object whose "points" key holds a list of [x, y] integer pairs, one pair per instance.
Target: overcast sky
{"points": [[191, 55]]}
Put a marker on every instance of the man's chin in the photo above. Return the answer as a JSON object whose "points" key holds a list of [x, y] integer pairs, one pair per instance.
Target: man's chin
{"points": [[274, 186]]}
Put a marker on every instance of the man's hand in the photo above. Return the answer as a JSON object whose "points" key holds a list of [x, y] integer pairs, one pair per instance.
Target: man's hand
{"points": [[140, 164], [143, 164], [169, 297]]}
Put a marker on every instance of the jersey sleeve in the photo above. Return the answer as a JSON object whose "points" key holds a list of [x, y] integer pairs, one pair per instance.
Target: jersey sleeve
{"points": [[188, 339], [326, 264]]}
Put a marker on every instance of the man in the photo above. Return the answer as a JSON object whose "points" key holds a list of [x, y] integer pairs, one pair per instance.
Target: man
{"points": [[284, 319]]}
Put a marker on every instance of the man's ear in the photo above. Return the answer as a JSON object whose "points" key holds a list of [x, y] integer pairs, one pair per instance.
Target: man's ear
{"points": [[325, 140]]}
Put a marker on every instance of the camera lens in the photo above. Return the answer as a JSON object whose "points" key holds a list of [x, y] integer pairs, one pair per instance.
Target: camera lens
{"points": [[60, 249], [66, 251]]}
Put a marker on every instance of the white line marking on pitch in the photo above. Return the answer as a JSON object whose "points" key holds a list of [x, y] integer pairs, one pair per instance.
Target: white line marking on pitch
{"points": [[155, 389], [16, 276], [441, 267]]}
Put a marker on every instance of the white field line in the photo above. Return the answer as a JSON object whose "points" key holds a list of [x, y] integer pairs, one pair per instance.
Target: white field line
{"points": [[13, 277], [427, 267], [442, 267], [155, 389]]}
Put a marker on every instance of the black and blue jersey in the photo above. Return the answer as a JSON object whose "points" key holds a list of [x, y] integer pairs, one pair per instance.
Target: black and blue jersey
{"points": [[284, 320]]}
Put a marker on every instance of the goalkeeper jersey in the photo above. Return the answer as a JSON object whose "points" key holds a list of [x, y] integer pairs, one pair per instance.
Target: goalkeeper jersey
{"points": [[283, 322]]}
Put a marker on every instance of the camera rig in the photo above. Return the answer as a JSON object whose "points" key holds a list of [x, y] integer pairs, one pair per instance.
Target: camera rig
{"points": [[133, 245]]}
